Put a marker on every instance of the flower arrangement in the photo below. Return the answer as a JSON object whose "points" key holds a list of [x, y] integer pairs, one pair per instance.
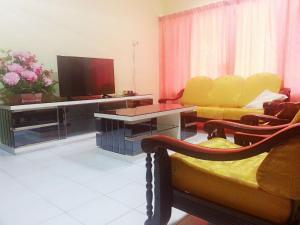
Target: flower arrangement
{"points": [[20, 73]]}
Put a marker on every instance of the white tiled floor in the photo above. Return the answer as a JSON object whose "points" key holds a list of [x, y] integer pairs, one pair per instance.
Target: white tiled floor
{"points": [[74, 184]]}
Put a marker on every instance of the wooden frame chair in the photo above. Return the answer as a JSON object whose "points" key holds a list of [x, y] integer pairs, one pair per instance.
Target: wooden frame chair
{"points": [[166, 196], [276, 113]]}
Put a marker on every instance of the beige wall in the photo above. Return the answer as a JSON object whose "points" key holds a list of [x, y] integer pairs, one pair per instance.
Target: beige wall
{"points": [[172, 6], [90, 28]]}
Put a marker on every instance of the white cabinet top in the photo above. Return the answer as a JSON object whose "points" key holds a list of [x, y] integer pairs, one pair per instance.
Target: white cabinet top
{"points": [[69, 103]]}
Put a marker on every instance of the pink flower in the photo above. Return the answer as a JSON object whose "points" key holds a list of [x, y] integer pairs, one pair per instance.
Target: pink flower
{"points": [[37, 68], [15, 67], [47, 81], [29, 75], [21, 54], [11, 78]]}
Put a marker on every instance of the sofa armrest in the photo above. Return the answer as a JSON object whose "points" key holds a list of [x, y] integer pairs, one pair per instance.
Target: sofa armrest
{"points": [[216, 128], [287, 92], [256, 120], [157, 144], [282, 110], [177, 97]]}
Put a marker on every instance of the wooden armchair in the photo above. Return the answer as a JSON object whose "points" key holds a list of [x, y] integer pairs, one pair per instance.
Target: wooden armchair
{"points": [[261, 126], [183, 181], [276, 113], [243, 134]]}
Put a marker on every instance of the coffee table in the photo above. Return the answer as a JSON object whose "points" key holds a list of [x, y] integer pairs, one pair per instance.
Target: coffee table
{"points": [[122, 130]]}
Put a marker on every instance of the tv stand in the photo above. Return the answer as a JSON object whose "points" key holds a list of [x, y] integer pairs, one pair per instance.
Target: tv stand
{"points": [[21, 126]]}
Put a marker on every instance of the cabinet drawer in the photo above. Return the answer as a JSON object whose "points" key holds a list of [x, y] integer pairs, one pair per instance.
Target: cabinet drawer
{"points": [[33, 136], [34, 118]]}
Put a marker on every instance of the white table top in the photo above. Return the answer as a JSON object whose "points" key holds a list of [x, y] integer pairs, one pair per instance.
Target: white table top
{"points": [[146, 115]]}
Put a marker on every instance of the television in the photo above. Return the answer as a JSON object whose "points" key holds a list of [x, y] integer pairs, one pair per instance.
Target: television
{"points": [[80, 76]]}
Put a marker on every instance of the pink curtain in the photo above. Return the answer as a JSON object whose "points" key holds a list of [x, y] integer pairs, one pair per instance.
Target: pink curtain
{"points": [[175, 52], [240, 37], [289, 45]]}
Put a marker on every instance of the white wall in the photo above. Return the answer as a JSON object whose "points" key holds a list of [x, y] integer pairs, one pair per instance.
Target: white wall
{"points": [[91, 28], [172, 6]]}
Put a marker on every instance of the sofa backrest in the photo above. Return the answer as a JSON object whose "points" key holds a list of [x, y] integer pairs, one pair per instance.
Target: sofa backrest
{"points": [[256, 84], [229, 90], [197, 90], [226, 91]]}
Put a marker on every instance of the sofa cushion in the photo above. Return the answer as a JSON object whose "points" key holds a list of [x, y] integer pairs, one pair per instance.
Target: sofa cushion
{"points": [[210, 112], [237, 113], [225, 112], [256, 84], [279, 172], [232, 184], [226, 91], [196, 91]]}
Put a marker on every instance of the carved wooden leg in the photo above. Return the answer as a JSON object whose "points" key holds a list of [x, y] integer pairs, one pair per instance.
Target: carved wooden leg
{"points": [[216, 132], [149, 187], [163, 193], [221, 133]]}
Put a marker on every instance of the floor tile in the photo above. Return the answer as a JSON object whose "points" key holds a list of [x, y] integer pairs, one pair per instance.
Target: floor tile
{"points": [[134, 173], [7, 182], [107, 184], [132, 195], [76, 171], [17, 166], [21, 207], [100, 211], [45, 182], [131, 218], [142, 208], [71, 197], [177, 216], [61, 220]]}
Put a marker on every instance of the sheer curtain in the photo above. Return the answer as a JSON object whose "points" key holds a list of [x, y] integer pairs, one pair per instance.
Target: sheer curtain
{"points": [[256, 37], [240, 37], [213, 38]]}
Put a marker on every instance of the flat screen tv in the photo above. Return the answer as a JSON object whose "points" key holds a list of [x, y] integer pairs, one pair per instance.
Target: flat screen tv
{"points": [[79, 76]]}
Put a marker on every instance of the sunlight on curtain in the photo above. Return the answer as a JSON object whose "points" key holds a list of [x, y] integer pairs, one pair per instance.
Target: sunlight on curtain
{"points": [[290, 62], [211, 47], [232, 37], [256, 37]]}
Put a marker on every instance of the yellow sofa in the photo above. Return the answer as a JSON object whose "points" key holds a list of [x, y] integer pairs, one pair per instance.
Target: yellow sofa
{"points": [[226, 96]]}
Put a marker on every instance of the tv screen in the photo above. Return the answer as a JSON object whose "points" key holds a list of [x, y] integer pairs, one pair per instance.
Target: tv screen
{"points": [[79, 76]]}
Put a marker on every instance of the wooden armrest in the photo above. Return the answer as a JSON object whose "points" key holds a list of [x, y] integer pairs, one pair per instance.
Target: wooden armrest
{"points": [[288, 110], [157, 144], [258, 119], [177, 97], [245, 139], [212, 125], [287, 92]]}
